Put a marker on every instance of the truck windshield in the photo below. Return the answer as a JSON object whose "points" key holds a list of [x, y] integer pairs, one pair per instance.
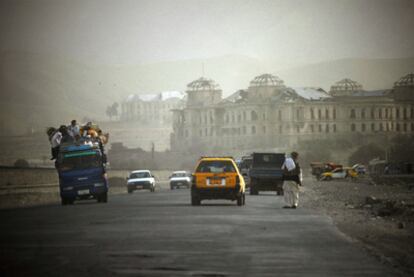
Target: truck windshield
{"points": [[269, 160], [80, 160], [216, 167], [181, 174], [139, 175]]}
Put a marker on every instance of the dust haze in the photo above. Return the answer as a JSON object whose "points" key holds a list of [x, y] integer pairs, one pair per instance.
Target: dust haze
{"points": [[62, 60]]}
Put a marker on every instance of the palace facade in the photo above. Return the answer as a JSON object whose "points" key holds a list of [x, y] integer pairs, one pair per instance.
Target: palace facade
{"points": [[152, 108], [270, 115]]}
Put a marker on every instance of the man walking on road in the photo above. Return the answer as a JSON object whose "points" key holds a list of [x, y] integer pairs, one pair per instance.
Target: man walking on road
{"points": [[292, 179]]}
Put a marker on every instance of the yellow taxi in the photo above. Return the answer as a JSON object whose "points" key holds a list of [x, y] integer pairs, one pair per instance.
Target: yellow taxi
{"points": [[217, 178]]}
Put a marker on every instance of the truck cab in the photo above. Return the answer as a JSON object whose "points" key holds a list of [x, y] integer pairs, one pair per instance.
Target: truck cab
{"points": [[82, 173]]}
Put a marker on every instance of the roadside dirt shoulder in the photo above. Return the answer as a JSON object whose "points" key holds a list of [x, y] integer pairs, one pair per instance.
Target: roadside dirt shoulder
{"points": [[379, 217]]}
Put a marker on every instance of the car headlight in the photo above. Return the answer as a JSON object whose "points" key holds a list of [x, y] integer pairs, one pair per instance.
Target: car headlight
{"points": [[98, 185]]}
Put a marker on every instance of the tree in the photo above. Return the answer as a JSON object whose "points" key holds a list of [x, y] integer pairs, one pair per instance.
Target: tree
{"points": [[112, 110], [365, 153], [21, 163], [402, 149]]}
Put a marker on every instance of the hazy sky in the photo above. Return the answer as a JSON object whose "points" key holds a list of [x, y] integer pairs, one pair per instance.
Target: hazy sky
{"points": [[150, 31]]}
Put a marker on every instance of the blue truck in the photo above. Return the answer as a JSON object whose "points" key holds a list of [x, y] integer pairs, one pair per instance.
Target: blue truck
{"points": [[82, 172]]}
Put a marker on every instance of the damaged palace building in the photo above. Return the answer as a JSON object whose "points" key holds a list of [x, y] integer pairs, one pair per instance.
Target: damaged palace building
{"points": [[270, 115]]}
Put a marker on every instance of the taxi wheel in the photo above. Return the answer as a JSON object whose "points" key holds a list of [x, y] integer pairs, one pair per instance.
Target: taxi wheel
{"points": [[195, 201], [240, 199]]}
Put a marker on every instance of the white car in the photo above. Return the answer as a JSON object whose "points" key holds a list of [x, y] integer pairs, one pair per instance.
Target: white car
{"points": [[180, 179], [140, 179]]}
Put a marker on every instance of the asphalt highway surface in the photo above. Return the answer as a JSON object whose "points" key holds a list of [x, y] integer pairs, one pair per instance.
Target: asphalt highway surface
{"points": [[161, 234]]}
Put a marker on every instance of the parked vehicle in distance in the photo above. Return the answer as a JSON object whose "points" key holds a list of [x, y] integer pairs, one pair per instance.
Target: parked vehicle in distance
{"points": [[180, 179], [318, 168], [266, 173], [339, 173], [140, 179], [81, 170], [217, 178], [359, 168]]}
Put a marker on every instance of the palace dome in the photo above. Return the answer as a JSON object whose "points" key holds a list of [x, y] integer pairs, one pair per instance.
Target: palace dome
{"points": [[345, 86], [406, 81], [267, 80], [202, 84]]}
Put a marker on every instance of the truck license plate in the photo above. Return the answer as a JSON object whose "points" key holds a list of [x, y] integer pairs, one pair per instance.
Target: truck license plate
{"points": [[83, 192]]}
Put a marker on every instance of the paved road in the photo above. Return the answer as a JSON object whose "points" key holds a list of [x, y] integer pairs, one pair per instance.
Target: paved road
{"points": [[160, 234]]}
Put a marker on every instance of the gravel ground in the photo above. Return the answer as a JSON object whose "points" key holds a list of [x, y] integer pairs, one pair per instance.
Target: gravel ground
{"points": [[378, 217]]}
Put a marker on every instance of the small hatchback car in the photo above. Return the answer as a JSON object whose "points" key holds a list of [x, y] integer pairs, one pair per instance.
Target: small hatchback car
{"points": [[140, 179], [217, 178]]}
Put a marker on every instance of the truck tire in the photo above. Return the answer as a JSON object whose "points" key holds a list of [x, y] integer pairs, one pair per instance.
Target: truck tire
{"points": [[103, 198], [253, 190], [67, 201], [64, 201]]}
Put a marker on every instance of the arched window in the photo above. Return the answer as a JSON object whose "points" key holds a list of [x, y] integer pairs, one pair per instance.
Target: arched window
{"points": [[363, 113], [363, 127], [353, 127], [312, 113], [353, 115], [253, 129], [319, 114], [373, 127], [372, 112], [334, 128], [327, 114], [254, 115], [327, 128]]}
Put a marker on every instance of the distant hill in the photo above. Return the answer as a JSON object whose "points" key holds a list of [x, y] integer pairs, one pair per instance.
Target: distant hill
{"points": [[40, 90], [371, 73]]}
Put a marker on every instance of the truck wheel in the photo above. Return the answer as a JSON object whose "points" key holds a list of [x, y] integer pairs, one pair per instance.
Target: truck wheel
{"points": [[64, 201], [195, 201], [253, 191], [67, 201], [103, 198]]}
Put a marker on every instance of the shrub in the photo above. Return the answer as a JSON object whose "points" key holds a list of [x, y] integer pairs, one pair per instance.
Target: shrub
{"points": [[22, 163]]}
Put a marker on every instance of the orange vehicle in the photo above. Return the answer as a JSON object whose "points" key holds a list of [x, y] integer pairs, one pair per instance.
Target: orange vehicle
{"points": [[217, 178]]}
